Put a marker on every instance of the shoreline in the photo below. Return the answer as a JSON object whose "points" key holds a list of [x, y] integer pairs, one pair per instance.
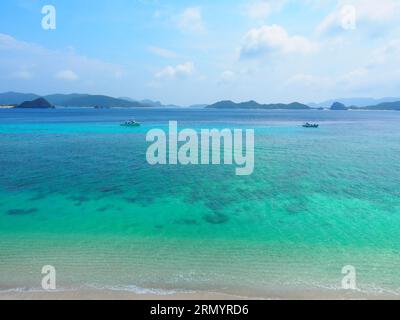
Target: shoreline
{"points": [[109, 294]]}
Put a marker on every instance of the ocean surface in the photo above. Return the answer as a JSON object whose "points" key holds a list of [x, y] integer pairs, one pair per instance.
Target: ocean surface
{"points": [[77, 193]]}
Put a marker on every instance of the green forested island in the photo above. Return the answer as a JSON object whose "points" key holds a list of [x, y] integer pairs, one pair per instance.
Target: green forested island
{"points": [[338, 106], [30, 100], [255, 105], [72, 100], [381, 106], [39, 103]]}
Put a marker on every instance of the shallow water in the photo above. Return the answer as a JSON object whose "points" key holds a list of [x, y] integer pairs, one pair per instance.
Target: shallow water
{"points": [[76, 192]]}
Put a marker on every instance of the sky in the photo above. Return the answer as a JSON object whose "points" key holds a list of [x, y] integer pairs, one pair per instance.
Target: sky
{"points": [[198, 52]]}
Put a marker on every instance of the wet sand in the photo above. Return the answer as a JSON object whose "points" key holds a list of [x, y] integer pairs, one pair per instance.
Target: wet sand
{"points": [[124, 295]]}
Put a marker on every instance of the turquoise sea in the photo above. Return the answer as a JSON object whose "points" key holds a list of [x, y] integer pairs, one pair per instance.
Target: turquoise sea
{"points": [[77, 193]]}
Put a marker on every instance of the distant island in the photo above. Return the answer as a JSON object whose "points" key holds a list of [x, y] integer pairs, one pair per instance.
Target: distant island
{"points": [[338, 106], [39, 103], [353, 102], [394, 106], [72, 100], [10, 100], [255, 105], [151, 103]]}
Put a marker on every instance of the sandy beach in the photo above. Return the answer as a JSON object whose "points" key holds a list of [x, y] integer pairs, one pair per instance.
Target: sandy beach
{"points": [[124, 295]]}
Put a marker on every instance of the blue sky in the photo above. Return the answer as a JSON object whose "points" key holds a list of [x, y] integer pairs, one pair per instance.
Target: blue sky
{"points": [[188, 52]]}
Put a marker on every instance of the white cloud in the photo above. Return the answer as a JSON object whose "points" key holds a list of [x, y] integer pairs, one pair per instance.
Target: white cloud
{"points": [[303, 79], [261, 9], [9, 43], [267, 39], [191, 20], [381, 10], [18, 58], [331, 23], [355, 77], [22, 75], [165, 53], [383, 66], [315, 84], [227, 77], [67, 75], [180, 71], [389, 52]]}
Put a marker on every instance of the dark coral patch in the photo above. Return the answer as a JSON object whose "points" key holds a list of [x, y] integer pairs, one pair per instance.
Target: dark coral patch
{"points": [[105, 208], [295, 208], [37, 197], [79, 199], [143, 200], [216, 218], [215, 205], [130, 199], [20, 212], [110, 190], [189, 222]]}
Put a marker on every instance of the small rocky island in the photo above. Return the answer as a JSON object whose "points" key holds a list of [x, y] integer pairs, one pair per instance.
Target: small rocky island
{"points": [[227, 104], [39, 103], [338, 106]]}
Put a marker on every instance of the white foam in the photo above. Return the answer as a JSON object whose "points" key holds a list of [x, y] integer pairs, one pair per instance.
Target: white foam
{"points": [[29, 290], [140, 290]]}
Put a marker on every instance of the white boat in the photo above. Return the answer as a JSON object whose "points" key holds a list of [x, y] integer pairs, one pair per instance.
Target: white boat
{"points": [[131, 123], [310, 125]]}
